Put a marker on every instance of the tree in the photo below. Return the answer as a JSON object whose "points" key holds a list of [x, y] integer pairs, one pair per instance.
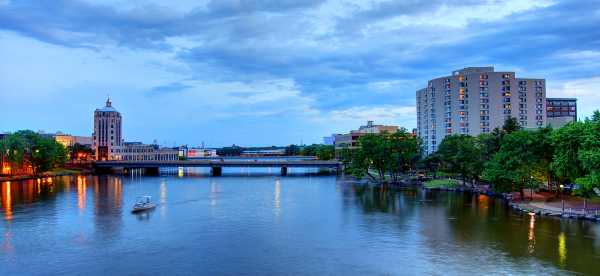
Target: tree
{"points": [[292, 150], [510, 125], [496, 172], [356, 164], [404, 153], [589, 158], [543, 172], [230, 151], [325, 152], [383, 154], [488, 145], [430, 163], [567, 142], [27, 148], [459, 155], [512, 168], [376, 153]]}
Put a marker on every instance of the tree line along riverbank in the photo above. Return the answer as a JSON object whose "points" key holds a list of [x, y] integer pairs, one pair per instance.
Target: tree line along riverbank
{"points": [[508, 160], [26, 154]]}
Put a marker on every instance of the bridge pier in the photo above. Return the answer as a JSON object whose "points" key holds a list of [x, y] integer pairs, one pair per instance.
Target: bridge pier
{"points": [[216, 171], [284, 171]]}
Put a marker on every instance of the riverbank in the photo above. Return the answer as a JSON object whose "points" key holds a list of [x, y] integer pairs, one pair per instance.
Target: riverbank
{"points": [[539, 203], [567, 207], [53, 173]]}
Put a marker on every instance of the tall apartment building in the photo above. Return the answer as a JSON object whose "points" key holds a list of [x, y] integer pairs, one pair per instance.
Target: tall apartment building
{"points": [[476, 100], [561, 111], [106, 138]]}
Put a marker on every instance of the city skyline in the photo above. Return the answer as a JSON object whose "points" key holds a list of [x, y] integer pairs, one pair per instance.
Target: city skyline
{"points": [[226, 72]]}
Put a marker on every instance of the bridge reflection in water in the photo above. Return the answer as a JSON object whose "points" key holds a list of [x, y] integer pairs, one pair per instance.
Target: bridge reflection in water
{"points": [[216, 166]]}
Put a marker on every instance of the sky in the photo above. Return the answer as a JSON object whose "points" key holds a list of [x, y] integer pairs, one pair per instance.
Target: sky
{"points": [[274, 72]]}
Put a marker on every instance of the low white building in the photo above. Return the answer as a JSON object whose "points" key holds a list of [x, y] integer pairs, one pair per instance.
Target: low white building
{"points": [[137, 151]]}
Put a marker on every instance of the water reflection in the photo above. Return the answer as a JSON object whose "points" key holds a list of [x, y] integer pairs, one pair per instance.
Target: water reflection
{"points": [[277, 199], [81, 193], [108, 206], [214, 192], [145, 215], [562, 249], [163, 197], [531, 237], [477, 223], [7, 201], [7, 246], [350, 225]]}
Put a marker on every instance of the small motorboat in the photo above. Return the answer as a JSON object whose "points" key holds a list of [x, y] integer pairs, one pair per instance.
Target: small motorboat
{"points": [[143, 203]]}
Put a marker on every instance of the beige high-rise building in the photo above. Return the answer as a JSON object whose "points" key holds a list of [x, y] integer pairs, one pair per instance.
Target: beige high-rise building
{"points": [[476, 100], [106, 139]]}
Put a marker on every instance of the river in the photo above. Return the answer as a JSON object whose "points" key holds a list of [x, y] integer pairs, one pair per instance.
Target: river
{"points": [[302, 224]]}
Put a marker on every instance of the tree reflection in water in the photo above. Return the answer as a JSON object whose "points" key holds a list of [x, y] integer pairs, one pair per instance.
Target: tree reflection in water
{"points": [[449, 221]]}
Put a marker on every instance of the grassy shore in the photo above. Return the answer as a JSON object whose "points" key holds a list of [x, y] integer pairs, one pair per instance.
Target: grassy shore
{"points": [[441, 183]]}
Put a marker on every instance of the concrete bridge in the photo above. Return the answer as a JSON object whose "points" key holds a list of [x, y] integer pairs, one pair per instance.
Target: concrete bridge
{"points": [[216, 166]]}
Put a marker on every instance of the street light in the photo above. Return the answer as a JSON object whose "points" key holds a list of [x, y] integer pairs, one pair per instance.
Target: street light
{"points": [[561, 198]]}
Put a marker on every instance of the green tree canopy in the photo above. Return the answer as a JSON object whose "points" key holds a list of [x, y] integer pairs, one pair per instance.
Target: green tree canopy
{"points": [[513, 167], [381, 155], [27, 148], [460, 155]]}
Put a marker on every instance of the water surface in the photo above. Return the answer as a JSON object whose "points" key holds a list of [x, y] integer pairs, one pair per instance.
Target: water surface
{"points": [[266, 224]]}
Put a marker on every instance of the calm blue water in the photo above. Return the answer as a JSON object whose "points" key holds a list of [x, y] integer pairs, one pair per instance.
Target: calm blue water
{"points": [[271, 225]]}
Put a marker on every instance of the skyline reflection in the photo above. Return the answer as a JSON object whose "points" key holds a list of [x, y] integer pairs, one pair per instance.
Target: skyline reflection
{"points": [[446, 227]]}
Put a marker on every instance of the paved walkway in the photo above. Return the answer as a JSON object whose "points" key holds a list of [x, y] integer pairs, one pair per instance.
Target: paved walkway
{"points": [[549, 203]]}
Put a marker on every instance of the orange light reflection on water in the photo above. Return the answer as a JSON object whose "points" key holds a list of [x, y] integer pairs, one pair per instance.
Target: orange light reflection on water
{"points": [[117, 192], [81, 193], [7, 201], [531, 237], [483, 201]]}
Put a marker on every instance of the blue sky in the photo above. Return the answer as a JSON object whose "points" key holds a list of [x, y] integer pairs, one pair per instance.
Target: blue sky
{"points": [[273, 72]]}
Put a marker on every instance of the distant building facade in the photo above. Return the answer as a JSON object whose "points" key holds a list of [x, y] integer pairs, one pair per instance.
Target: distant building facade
{"points": [[476, 100], [201, 153], [70, 140], [350, 140], [107, 132], [137, 151], [561, 111]]}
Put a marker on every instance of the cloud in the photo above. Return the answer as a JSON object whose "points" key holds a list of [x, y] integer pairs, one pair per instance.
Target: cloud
{"points": [[383, 114], [585, 90], [236, 7], [169, 88], [332, 63]]}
